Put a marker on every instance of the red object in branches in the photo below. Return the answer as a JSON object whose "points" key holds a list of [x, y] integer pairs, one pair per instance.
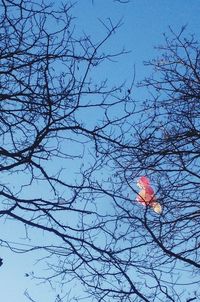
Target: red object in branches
{"points": [[147, 196]]}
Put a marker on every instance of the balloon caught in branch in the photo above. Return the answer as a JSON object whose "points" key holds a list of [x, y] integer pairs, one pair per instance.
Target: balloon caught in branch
{"points": [[146, 196]]}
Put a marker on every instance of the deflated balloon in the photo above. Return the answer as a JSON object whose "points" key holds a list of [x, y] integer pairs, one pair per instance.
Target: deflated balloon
{"points": [[146, 196]]}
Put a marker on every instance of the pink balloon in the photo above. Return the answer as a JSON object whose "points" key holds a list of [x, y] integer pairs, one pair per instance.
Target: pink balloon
{"points": [[147, 195]]}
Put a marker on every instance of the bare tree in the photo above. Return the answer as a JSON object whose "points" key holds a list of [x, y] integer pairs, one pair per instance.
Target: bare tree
{"points": [[48, 106], [59, 125], [71, 152], [128, 252], [163, 250]]}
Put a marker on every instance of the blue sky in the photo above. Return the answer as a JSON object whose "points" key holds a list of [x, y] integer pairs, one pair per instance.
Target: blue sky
{"points": [[144, 22]]}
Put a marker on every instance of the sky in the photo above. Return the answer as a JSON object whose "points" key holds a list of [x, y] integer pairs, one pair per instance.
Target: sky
{"points": [[144, 22]]}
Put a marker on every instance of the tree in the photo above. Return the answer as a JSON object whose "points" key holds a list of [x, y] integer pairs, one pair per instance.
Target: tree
{"points": [[143, 256], [47, 93], [173, 140], [130, 253], [167, 150], [57, 118], [55, 113]]}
